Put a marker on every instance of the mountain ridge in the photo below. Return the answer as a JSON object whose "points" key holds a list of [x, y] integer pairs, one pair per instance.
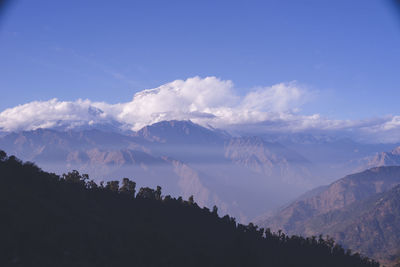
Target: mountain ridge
{"points": [[349, 189], [360, 211]]}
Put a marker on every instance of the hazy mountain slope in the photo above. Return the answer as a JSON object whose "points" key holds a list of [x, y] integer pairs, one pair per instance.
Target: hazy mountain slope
{"points": [[350, 189], [361, 211], [331, 156], [270, 159], [328, 149], [53, 221], [371, 226]]}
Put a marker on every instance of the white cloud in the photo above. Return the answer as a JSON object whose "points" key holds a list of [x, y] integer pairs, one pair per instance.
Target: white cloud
{"points": [[207, 101], [49, 114], [278, 98]]}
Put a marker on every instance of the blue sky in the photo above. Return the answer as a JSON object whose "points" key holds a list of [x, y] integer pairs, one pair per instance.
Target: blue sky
{"points": [[347, 51]]}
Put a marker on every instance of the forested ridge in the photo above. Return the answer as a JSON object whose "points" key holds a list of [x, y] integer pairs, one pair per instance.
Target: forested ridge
{"points": [[69, 220]]}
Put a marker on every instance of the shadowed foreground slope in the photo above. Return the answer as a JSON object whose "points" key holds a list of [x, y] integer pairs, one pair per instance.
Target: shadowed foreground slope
{"points": [[48, 220]]}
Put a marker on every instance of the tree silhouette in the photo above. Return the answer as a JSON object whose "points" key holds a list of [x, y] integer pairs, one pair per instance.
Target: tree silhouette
{"points": [[146, 193], [157, 194], [128, 187], [113, 186], [191, 200], [75, 177], [215, 210], [3, 155]]}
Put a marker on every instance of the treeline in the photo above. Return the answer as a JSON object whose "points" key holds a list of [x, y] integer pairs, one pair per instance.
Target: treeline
{"points": [[69, 220]]}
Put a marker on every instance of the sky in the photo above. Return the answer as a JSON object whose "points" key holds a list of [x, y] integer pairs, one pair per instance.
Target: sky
{"points": [[342, 56]]}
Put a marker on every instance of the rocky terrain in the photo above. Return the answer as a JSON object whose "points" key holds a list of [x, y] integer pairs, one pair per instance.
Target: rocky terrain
{"points": [[391, 158], [361, 211]]}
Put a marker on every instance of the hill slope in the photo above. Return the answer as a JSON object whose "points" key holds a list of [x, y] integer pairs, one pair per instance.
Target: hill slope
{"points": [[70, 221], [371, 226], [343, 192], [361, 211]]}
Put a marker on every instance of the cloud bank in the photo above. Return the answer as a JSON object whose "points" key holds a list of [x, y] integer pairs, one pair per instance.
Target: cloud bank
{"points": [[208, 101]]}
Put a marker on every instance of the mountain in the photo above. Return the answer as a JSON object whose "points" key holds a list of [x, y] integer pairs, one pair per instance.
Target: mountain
{"points": [[370, 226], [48, 220], [331, 156], [269, 158], [345, 191], [391, 158], [349, 211], [181, 132], [242, 175], [183, 140]]}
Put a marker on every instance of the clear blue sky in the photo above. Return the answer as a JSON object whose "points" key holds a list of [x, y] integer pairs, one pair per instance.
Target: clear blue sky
{"points": [[108, 50]]}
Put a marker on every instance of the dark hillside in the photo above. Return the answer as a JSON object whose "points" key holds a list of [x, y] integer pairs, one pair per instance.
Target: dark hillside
{"points": [[47, 220]]}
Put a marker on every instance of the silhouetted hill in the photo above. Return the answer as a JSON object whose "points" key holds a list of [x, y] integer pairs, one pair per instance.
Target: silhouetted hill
{"points": [[47, 220]]}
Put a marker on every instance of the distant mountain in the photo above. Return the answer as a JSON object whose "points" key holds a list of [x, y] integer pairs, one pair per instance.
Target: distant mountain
{"points": [[48, 220], [181, 156], [184, 140], [391, 158], [181, 132], [348, 210], [331, 156], [269, 158]]}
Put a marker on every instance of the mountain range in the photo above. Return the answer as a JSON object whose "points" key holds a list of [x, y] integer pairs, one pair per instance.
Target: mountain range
{"points": [[245, 175], [183, 157]]}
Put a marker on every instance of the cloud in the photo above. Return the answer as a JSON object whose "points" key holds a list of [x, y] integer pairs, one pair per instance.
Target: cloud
{"points": [[207, 101], [50, 114]]}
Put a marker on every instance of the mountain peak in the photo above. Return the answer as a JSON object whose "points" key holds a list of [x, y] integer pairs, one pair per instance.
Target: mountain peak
{"points": [[396, 151], [391, 158], [180, 131]]}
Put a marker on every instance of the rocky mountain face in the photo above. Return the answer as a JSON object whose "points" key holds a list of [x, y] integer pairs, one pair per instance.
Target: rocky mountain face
{"points": [[361, 211], [182, 157], [370, 226], [391, 158]]}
